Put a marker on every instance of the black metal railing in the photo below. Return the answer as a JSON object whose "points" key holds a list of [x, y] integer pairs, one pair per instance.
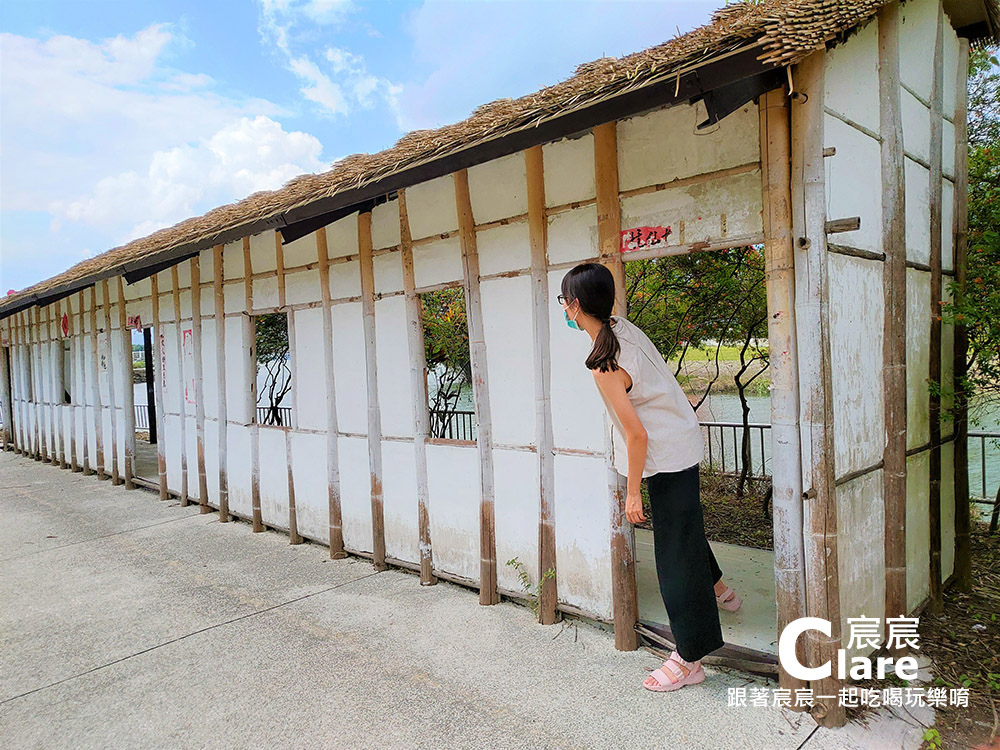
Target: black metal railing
{"points": [[725, 448], [455, 425], [274, 415], [983, 445], [141, 417]]}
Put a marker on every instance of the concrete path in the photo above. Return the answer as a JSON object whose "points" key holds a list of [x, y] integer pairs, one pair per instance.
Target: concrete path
{"points": [[130, 622]]}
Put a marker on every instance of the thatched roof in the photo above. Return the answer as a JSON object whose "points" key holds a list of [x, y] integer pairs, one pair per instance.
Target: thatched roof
{"points": [[780, 32]]}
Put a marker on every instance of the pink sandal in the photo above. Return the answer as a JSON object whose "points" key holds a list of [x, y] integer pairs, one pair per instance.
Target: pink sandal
{"points": [[729, 600], [693, 677]]}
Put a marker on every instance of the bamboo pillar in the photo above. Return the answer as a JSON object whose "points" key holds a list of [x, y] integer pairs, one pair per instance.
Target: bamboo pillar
{"points": [[488, 593], [23, 385], [258, 524], [181, 380], [61, 365], [293, 525], [934, 370], [158, 375], [6, 404], [894, 326], [960, 222], [53, 396], [374, 421], [115, 479], [537, 234], [336, 530], [98, 401], [816, 408], [199, 387], [609, 223], [789, 553], [128, 396], [418, 391], [17, 370], [218, 287]]}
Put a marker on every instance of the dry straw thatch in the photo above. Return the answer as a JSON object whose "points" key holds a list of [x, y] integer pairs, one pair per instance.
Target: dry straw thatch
{"points": [[784, 30]]}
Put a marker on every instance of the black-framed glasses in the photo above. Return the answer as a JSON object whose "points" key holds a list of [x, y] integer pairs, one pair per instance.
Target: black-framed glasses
{"points": [[562, 299]]}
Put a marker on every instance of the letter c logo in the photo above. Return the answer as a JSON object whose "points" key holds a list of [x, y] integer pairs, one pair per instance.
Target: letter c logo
{"points": [[786, 648]]}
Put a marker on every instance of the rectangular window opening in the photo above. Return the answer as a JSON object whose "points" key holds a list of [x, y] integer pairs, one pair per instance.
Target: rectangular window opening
{"points": [[448, 374], [272, 357]]}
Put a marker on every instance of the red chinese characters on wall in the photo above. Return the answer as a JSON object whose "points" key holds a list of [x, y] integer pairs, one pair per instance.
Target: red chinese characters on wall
{"points": [[643, 238]]}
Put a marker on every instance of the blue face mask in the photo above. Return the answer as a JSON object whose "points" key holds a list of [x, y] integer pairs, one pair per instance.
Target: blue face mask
{"points": [[571, 323]]}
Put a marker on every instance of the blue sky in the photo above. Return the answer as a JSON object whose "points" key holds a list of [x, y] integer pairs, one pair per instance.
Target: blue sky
{"points": [[119, 117]]}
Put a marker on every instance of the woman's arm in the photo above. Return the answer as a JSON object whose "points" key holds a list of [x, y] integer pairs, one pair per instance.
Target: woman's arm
{"points": [[612, 385]]}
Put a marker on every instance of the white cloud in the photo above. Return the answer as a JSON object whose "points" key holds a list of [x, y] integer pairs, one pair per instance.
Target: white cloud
{"points": [[345, 83], [243, 157]]}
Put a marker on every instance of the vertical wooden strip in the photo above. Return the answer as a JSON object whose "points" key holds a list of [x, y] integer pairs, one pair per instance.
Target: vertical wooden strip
{"points": [[74, 388], [894, 325], [816, 408], [374, 420], [480, 390], [199, 385], [258, 524], [418, 391], [17, 382], [6, 404], [218, 282], [181, 380], [538, 240], [934, 370], [115, 478], [623, 582], [960, 222], [61, 380], [336, 531], [779, 271], [38, 372], [98, 401], [24, 386], [128, 396], [293, 525], [158, 375]]}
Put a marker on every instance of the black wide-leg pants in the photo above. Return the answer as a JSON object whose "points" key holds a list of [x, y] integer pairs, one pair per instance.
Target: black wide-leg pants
{"points": [[685, 565]]}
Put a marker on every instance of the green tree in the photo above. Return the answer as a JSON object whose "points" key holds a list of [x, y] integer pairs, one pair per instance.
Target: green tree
{"points": [[446, 349], [273, 357]]}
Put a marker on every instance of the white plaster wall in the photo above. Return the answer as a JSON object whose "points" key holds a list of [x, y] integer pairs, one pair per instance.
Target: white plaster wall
{"points": [[851, 78], [853, 186], [503, 248], [856, 322], [239, 475], [437, 262], [395, 400], [498, 189], [665, 144], [312, 511], [509, 336], [349, 369], [916, 125], [572, 235], [273, 477], [430, 207], [917, 528], [385, 224], [918, 23], [569, 170], [453, 508], [342, 237], [309, 381], [355, 492], [399, 501], [299, 252], [582, 513], [388, 272], [918, 233], [918, 326], [861, 564], [516, 514]]}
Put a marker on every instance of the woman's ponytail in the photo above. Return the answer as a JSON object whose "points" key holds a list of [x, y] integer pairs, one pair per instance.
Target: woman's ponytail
{"points": [[604, 354]]}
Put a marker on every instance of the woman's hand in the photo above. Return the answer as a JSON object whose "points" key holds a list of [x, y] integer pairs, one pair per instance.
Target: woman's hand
{"points": [[633, 507]]}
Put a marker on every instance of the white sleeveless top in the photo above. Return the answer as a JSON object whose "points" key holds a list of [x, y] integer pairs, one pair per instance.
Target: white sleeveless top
{"points": [[674, 438]]}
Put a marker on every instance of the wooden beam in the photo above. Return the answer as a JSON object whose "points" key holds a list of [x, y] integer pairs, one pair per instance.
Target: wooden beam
{"points": [[293, 525], [6, 402], [418, 393], [894, 321], [541, 350], [779, 272], [161, 458], [488, 593], [128, 396], [115, 479], [374, 423], [336, 530], [74, 388], [258, 524], [812, 328], [609, 223], [96, 387], [936, 594], [53, 365], [960, 222], [181, 382], [61, 365], [220, 382], [199, 385], [41, 449]]}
